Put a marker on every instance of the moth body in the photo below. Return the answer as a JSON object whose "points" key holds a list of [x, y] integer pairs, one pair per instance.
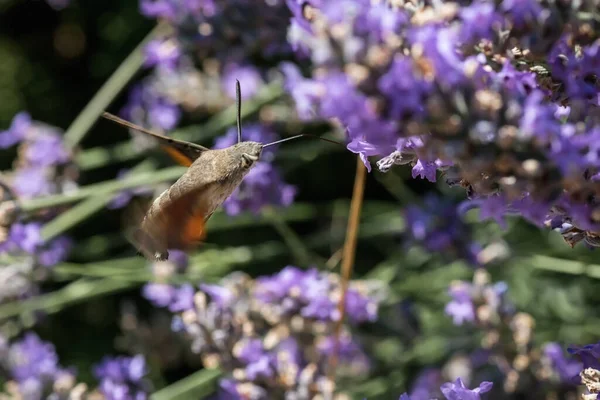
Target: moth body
{"points": [[177, 217]]}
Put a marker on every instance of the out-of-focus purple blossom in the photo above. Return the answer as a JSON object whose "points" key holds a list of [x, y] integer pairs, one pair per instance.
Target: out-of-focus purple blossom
{"points": [[478, 302], [442, 73], [46, 149], [256, 332], [249, 77], [439, 228], [19, 127], [31, 358], [122, 378], [123, 198], [147, 107], [25, 236], [32, 182], [55, 251], [426, 383], [160, 294], [263, 186], [461, 308], [458, 391], [479, 21], [183, 298], [309, 293], [522, 82], [566, 369], [403, 89], [162, 53], [588, 354]]}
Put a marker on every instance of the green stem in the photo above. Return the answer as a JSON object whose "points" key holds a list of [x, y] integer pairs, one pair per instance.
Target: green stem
{"points": [[298, 249], [101, 156], [84, 209], [111, 88], [396, 186], [73, 293], [196, 386], [103, 188]]}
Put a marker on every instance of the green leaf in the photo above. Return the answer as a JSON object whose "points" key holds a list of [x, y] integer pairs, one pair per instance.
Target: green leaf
{"points": [[196, 386], [113, 86]]}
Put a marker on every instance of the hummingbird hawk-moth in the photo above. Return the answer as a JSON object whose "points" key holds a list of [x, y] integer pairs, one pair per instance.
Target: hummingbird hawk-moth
{"points": [[176, 219]]}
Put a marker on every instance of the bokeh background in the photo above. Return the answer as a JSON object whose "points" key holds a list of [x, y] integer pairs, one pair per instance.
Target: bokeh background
{"points": [[55, 59]]}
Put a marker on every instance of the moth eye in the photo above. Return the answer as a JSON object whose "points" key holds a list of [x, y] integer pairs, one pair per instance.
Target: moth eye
{"points": [[247, 160]]}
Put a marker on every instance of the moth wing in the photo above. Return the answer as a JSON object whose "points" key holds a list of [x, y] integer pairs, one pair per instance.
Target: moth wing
{"points": [[175, 223], [184, 153]]}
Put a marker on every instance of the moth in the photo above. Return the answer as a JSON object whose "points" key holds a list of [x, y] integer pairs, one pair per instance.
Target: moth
{"points": [[176, 219]]}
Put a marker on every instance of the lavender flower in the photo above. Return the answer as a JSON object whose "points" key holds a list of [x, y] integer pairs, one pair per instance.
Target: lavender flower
{"points": [[123, 378], [565, 369], [588, 354], [458, 390], [20, 124], [268, 334], [438, 227], [34, 370], [440, 75], [44, 166]]}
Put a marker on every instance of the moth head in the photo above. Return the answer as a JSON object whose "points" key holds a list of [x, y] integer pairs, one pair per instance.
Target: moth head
{"points": [[249, 153]]}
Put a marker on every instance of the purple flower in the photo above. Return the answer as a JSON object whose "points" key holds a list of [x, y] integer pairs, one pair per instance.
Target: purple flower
{"points": [[160, 294], [588, 354], [522, 12], [273, 289], [31, 358], [46, 149], [566, 369], [305, 92], [222, 296], [479, 21], [122, 378], [348, 349], [55, 251], [249, 77], [162, 53], [522, 82], [32, 182], [404, 90], [425, 384], [26, 236], [461, 308], [458, 391], [19, 127], [258, 362], [359, 307], [261, 187], [147, 106], [440, 47], [183, 298], [438, 226]]}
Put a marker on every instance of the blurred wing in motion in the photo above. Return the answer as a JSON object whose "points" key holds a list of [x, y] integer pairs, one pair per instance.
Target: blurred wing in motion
{"points": [[172, 222], [184, 153]]}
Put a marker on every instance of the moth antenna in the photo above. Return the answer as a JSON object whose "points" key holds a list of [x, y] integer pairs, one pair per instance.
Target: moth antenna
{"points": [[238, 106], [299, 136]]}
